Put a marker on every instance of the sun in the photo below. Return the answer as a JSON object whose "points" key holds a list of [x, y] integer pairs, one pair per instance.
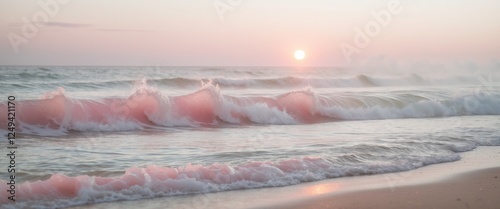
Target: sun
{"points": [[299, 55]]}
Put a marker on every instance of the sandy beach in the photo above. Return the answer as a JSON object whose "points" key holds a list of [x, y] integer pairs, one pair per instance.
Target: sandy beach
{"points": [[472, 182], [476, 189]]}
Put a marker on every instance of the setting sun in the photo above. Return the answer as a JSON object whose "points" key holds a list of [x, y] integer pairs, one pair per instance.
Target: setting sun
{"points": [[299, 55]]}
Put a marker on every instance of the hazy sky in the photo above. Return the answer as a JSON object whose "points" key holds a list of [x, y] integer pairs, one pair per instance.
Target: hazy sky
{"points": [[250, 32]]}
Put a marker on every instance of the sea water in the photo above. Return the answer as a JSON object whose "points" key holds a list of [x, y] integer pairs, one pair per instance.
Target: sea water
{"points": [[101, 134]]}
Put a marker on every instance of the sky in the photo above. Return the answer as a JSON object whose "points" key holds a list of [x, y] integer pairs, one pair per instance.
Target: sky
{"points": [[247, 32]]}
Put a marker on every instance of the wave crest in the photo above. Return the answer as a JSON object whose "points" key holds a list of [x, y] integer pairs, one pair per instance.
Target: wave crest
{"points": [[148, 107]]}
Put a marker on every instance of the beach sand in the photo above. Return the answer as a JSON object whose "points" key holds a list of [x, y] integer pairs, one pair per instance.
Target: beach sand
{"points": [[472, 182], [476, 189]]}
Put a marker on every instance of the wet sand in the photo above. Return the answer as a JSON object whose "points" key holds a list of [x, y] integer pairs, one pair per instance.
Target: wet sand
{"points": [[475, 189]]}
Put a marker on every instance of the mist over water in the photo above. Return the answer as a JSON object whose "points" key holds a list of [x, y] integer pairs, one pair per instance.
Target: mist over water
{"points": [[122, 133]]}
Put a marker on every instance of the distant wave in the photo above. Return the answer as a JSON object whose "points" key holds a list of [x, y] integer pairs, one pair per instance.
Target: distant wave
{"points": [[360, 80], [56, 114]]}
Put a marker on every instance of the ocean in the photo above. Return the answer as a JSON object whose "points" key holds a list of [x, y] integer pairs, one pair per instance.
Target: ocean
{"points": [[102, 134]]}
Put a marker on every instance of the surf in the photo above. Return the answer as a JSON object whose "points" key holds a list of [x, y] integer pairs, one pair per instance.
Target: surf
{"points": [[149, 107]]}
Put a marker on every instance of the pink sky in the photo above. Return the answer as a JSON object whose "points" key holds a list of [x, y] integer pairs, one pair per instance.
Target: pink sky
{"points": [[253, 33]]}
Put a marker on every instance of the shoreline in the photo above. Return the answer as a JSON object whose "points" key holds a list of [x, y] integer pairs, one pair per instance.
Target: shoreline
{"points": [[393, 190], [474, 189], [458, 184]]}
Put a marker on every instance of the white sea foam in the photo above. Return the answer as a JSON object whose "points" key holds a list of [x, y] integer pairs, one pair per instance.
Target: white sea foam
{"points": [[156, 181], [208, 106]]}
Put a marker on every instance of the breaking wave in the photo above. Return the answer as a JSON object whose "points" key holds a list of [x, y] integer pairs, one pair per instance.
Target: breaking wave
{"points": [[155, 181], [56, 114]]}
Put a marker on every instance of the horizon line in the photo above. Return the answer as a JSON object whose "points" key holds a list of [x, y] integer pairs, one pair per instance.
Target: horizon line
{"points": [[34, 65]]}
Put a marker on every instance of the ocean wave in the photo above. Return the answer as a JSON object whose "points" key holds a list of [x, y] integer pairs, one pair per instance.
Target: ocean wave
{"points": [[156, 181], [57, 114], [259, 82], [360, 80]]}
